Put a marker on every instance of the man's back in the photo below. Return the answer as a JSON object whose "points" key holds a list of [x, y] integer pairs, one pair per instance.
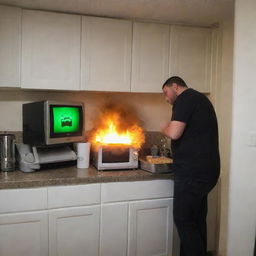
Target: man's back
{"points": [[196, 153]]}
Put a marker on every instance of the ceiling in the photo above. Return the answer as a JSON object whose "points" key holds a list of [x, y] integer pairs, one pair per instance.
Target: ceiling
{"points": [[196, 12]]}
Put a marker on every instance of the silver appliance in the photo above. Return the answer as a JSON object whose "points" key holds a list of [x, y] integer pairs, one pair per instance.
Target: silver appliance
{"points": [[115, 158], [155, 168], [7, 152]]}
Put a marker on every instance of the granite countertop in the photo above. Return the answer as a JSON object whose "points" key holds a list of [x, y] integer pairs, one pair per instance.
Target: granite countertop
{"points": [[72, 175]]}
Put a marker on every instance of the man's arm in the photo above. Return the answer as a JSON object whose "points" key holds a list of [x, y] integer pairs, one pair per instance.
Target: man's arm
{"points": [[174, 129]]}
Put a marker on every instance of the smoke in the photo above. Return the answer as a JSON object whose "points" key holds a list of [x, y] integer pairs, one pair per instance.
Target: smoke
{"points": [[124, 115]]}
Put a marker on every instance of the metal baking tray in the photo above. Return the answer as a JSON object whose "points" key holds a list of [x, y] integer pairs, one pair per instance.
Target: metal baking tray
{"points": [[155, 168]]}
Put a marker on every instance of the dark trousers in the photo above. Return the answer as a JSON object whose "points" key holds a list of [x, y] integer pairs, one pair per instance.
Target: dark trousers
{"points": [[189, 212]]}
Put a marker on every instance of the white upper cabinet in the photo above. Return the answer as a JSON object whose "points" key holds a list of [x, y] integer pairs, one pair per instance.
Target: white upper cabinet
{"points": [[190, 56], [106, 54], [150, 56], [47, 50], [50, 50], [10, 44]]}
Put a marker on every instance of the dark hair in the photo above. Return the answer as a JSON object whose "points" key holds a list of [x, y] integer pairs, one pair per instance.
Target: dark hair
{"points": [[174, 79]]}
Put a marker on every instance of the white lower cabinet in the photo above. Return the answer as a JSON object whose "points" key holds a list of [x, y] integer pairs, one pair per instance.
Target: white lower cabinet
{"points": [[137, 218], [150, 228], [74, 231], [114, 229], [23, 222], [108, 219], [24, 234], [139, 228]]}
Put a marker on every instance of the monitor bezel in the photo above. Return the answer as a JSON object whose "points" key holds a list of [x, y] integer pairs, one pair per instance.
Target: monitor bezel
{"points": [[64, 137]]}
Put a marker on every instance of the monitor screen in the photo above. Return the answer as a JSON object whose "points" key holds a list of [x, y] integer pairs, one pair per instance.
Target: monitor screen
{"points": [[65, 120]]}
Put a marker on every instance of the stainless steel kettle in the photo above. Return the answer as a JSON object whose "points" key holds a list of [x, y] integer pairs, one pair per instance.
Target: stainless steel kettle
{"points": [[7, 152]]}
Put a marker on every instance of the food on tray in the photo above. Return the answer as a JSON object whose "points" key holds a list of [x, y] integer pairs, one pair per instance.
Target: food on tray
{"points": [[159, 160]]}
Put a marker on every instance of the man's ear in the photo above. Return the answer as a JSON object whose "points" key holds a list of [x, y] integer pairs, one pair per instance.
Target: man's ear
{"points": [[175, 86]]}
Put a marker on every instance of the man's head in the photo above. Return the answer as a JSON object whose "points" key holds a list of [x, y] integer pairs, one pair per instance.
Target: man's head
{"points": [[173, 87]]}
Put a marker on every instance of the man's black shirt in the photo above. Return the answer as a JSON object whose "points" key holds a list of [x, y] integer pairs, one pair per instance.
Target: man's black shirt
{"points": [[196, 152]]}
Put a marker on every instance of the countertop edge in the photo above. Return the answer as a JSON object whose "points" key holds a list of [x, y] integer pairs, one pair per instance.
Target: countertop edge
{"points": [[73, 176]]}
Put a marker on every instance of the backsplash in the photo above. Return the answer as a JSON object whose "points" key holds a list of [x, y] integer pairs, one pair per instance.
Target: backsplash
{"points": [[156, 139], [18, 135], [151, 139], [151, 108]]}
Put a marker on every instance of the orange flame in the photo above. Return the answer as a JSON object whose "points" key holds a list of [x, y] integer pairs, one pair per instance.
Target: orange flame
{"points": [[112, 130]]}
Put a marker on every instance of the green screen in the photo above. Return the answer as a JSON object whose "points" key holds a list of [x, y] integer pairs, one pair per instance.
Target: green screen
{"points": [[65, 119]]}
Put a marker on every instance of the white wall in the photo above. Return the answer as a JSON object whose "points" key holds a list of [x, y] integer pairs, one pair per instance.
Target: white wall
{"points": [[224, 113], [242, 209]]}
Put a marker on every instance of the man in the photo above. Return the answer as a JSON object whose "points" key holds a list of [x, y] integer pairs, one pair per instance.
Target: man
{"points": [[194, 133]]}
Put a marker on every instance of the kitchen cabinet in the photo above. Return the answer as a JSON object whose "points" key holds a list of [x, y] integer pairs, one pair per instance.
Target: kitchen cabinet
{"points": [[10, 46], [74, 220], [24, 234], [150, 55], [106, 54], [151, 227], [23, 222], [103, 55], [50, 50], [106, 219], [190, 56], [142, 217], [114, 229], [74, 231]]}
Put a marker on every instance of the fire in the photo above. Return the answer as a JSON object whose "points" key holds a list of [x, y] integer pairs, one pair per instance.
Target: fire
{"points": [[111, 136], [113, 128]]}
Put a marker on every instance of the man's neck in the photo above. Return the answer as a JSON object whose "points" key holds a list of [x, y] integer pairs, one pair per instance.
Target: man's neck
{"points": [[181, 90]]}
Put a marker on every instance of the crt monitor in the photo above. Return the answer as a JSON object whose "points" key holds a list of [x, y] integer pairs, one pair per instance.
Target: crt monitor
{"points": [[53, 122]]}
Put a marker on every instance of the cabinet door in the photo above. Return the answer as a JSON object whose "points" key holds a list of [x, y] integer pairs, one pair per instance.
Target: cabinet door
{"points": [[114, 229], [136, 190], [150, 54], [10, 46], [106, 54], [151, 228], [74, 231], [24, 234], [50, 50], [190, 56], [20, 200]]}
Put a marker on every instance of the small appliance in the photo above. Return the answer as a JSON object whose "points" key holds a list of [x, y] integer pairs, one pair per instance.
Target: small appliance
{"points": [[31, 158], [115, 157], [7, 152]]}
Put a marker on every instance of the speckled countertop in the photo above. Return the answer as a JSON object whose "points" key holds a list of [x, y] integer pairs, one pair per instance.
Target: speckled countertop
{"points": [[71, 176]]}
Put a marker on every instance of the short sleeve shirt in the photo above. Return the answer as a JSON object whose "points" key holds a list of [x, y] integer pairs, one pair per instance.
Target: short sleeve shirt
{"points": [[196, 152]]}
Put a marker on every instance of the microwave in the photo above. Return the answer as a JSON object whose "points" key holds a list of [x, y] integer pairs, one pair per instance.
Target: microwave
{"points": [[115, 157]]}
